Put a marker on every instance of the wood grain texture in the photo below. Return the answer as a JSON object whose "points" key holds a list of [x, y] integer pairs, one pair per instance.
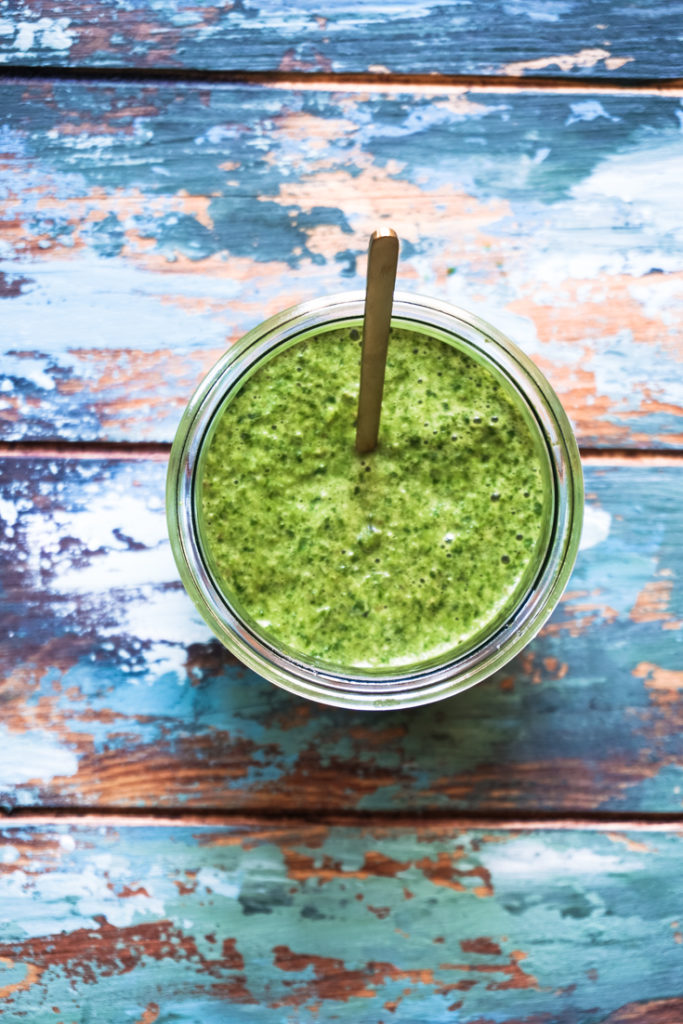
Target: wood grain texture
{"points": [[115, 694], [148, 226], [601, 38], [290, 923]]}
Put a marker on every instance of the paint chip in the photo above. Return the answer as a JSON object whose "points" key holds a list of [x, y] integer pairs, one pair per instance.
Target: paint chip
{"points": [[596, 527]]}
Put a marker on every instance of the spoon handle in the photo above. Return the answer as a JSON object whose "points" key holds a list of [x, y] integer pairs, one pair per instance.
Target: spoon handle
{"points": [[379, 294]]}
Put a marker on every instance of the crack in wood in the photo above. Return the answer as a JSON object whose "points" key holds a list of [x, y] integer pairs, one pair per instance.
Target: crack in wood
{"points": [[350, 81]]}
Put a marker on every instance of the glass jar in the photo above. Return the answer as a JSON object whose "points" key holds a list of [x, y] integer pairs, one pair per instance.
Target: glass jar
{"points": [[383, 687]]}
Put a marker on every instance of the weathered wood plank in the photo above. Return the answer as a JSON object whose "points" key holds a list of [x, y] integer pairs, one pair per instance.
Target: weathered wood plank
{"points": [[114, 693], [147, 226], [315, 923], [601, 38]]}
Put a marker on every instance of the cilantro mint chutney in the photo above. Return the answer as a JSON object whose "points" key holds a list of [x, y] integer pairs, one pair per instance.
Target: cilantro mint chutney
{"points": [[387, 579], [384, 559]]}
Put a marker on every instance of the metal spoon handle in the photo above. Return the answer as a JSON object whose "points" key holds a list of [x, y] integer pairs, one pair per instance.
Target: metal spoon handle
{"points": [[379, 294]]}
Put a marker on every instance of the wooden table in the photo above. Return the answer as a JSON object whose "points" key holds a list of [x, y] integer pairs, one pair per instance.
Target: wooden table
{"points": [[182, 841]]}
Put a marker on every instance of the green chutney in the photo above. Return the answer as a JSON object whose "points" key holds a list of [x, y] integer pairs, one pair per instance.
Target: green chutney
{"points": [[395, 558]]}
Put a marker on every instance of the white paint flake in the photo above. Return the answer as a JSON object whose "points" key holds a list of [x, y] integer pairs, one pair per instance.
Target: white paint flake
{"points": [[217, 882], [588, 110], [596, 526], [46, 33], [32, 755], [9, 513]]}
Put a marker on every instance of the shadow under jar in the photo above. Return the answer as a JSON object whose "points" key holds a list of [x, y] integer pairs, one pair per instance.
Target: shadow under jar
{"points": [[390, 579]]}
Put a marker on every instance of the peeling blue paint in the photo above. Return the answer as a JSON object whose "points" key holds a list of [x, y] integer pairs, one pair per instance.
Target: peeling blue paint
{"points": [[139, 674], [155, 906], [247, 218], [449, 37]]}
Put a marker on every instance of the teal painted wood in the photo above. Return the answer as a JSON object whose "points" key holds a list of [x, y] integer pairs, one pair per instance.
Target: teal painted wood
{"points": [[146, 226], [579, 38], [287, 923], [115, 694]]}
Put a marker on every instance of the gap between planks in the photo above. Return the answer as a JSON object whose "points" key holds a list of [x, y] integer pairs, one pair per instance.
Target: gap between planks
{"points": [[211, 817], [159, 452], [424, 84]]}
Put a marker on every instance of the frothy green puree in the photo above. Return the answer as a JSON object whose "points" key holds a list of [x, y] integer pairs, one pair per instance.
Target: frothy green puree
{"points": [[384, 559]]}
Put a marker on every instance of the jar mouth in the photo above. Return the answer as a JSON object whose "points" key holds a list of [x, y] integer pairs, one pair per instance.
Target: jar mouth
{"points": [[445, 672]]}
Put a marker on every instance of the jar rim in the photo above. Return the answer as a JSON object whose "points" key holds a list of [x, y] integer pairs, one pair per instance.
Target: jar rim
{"points": [[400, 688]]}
